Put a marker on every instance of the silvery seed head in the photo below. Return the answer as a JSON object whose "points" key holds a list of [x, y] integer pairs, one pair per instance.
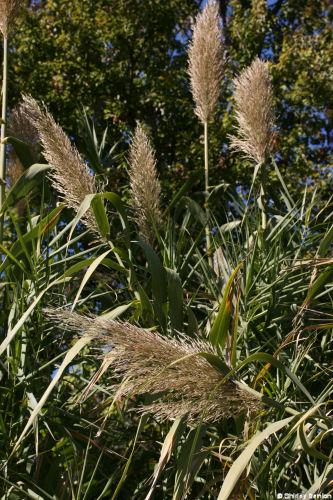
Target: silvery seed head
{"points": [[254, 112], [70, 176], [145, 186], [8, 12], [206, 62], [173, 371]]}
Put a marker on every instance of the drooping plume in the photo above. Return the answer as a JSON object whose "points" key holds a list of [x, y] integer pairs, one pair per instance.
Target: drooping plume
{"points": [[70, 176], [182, 381], [206, 61], [145, 186], [8, 12], [254, 112]]}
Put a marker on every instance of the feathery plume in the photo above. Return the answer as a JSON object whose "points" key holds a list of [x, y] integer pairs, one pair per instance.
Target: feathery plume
{"points": [[69, 174], [254, 112], [182, 381], [8, 12], [145, 186], [206, 62]]}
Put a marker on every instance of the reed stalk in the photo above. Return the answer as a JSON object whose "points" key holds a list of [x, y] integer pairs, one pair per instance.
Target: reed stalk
{"points": [[206, 154], [262, 198], [3, 132], [8, 12]]}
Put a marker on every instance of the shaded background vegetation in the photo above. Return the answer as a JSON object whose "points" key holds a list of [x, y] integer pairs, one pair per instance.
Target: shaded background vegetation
{"points": [[125, 60]]}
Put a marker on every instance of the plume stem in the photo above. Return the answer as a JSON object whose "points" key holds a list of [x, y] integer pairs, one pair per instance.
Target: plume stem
{"points": [[3, 132], [262, 201], [206, 148], [263, 210]]}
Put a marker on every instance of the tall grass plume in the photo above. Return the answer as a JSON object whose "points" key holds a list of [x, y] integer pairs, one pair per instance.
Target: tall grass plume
{"points": [[145, 186], [70, 176], [173, 371], [206, 61], [254, 112], [8, 12]]}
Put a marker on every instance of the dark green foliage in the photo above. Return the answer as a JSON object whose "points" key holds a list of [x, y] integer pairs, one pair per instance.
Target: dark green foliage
{"points": [[125, 61]]}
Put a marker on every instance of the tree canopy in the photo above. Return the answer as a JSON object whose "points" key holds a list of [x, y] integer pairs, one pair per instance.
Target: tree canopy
{"points": [[125, 60]]}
